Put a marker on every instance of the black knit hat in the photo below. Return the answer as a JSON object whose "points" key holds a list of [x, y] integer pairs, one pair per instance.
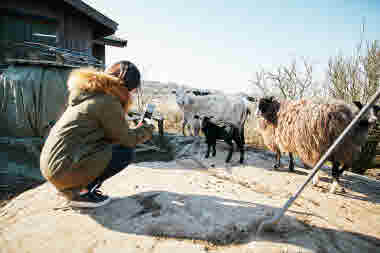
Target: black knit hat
{"points": [[130, 74]]}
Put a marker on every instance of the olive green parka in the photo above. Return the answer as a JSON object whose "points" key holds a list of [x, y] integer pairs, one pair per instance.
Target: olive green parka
{"points": [[79, 146]]}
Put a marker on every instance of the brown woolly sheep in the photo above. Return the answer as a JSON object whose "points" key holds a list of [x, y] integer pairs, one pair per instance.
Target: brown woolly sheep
{"points": [[309, 127]]}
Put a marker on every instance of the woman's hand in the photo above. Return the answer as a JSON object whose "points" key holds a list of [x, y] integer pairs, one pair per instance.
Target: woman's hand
{"points": [[147, 123]]}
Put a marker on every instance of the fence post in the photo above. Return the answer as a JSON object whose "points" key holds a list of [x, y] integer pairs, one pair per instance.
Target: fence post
{"points": [[161, 131]]}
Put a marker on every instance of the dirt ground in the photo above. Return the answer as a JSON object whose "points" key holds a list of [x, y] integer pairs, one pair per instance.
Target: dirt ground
{"points": [[13, 185], [318, 221]]}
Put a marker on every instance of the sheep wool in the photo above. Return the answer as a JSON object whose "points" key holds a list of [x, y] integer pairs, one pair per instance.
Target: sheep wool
{"points": [[309, 127]]}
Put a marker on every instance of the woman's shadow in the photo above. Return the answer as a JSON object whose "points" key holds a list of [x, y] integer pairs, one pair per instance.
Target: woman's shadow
{"points": [[219, 221]]}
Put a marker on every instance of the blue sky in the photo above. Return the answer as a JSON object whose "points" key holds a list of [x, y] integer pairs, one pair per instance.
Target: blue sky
{"points": [[221, 44]]}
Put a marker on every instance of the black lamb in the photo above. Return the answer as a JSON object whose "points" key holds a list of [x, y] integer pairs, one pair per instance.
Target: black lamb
{"points": [[225, 131]]}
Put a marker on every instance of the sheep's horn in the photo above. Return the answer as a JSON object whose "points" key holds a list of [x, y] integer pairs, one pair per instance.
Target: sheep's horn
{"points": [[358, 104]]}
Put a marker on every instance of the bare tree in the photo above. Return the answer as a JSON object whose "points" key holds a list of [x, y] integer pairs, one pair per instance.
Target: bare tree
{"points": [[260, 81], [355, 77], [291, 82], [143, 99]]}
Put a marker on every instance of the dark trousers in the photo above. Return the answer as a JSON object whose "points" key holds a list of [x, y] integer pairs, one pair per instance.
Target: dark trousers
{"points": [[121, 158]]}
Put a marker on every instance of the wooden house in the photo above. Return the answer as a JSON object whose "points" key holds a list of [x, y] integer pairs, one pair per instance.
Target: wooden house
{"points": [[69, 25]]}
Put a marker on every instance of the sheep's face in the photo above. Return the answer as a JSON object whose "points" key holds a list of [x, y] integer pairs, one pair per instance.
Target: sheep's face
{"points": [[201, 93], [205, 122], [366, 122], [267, 108], [371, 116]]}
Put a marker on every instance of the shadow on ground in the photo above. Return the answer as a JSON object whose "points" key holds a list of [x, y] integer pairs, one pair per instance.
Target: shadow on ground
{"points": [[220, 222], [368, 189]]}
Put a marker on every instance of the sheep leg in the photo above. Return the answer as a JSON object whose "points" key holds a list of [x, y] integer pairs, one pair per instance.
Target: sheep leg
{"points": [[208, 150], [229, 156], [336, 173], [241, 161], [196, 131], [184, 123], [241, 148], [278, 160], [316, 176], [242, 135], [344, 167], [240, 143], [214, 148], [315, 179], [190, 130], [291, 162], [210, 144]]}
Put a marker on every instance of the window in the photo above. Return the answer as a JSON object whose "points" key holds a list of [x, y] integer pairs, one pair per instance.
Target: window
{"points": [[43, 32], [19, 28]]}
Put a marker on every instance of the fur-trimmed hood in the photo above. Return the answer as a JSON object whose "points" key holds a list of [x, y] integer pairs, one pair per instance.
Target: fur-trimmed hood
{"points": [[84, 83]]}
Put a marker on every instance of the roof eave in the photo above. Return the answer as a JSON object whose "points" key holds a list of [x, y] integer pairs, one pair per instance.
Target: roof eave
{"points": [[93, 14], [104, 41]]}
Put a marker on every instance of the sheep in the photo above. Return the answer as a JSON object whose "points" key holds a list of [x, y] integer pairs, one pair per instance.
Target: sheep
{"points": [[309, 127], [201, 93], [221, 130], [188, 122], [187, 115], [196, 123], [232, 109]]}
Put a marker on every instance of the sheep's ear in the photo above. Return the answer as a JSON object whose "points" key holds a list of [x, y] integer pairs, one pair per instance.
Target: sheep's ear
{"points": [[358, 104]]}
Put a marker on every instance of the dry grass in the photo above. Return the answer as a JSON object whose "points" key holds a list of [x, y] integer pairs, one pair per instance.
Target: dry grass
{"points": [[252, 137], [173, 118]]}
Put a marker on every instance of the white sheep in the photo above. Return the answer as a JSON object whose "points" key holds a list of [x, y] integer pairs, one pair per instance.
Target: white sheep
{"points": [[226, 108]]}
